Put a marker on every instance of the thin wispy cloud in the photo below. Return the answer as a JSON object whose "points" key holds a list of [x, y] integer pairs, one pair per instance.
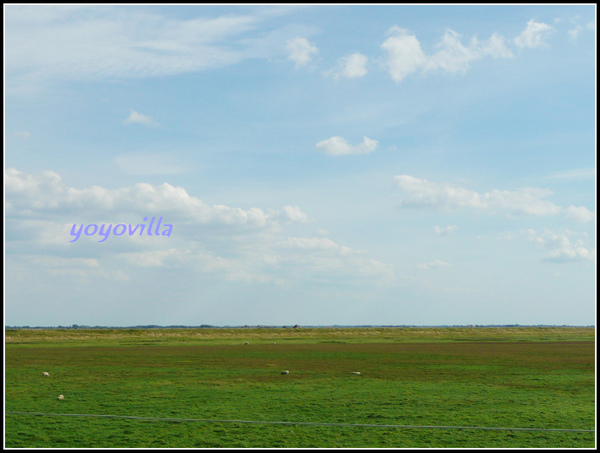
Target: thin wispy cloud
{"points": [[350, 67], [534, 35], [22, 134], [444, 231], [140, 163], [111, 43], [432, 264], [574, 174], [138, 118]]}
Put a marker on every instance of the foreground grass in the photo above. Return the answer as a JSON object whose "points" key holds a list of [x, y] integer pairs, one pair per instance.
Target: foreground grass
{"points": [[465, 382]]}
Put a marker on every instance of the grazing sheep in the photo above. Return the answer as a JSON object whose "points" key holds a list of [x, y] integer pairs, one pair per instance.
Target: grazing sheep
{"points": [[246, 343], [356, 372], [285, 372], [61, 397], [46, 374]]}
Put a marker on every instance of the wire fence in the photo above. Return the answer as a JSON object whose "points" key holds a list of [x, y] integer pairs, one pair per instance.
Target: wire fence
{"points": [[268, 422]]}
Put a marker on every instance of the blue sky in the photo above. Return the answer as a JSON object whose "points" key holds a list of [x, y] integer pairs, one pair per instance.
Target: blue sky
{"points": [[319, 164]]}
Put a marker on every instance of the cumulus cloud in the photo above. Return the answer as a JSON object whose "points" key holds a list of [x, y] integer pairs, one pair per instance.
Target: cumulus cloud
{"points": [[533, 36], [338, 146], [405, 55], [528, 200], [236, 244], [351, 67], [295, 214], [580, 214], [564, 246], [37, 194], [300, 51]]}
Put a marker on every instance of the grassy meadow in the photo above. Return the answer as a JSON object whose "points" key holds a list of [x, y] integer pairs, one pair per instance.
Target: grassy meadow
{"points": [[486, 377]]}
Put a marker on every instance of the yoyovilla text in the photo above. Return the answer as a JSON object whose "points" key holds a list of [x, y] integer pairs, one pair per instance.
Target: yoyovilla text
{"points": [[120, 229]]}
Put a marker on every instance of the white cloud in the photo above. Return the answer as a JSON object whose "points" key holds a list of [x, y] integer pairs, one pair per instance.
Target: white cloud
{"points": [[22, 134], [314, 244], [295, 214], [59, 262], [444, 231], [236, 244], [563, 248], [73, 268], [432, 264], [574, 174], [300, 51], [137, 118], [272, 259], [152, 258], [580, 214], [453, 56], [528, 200], [322, 256], [575, 32], [338, 146], [579, 29], [406, 56], [47, 192], [534, 35], [495, 47], [351, 67]]}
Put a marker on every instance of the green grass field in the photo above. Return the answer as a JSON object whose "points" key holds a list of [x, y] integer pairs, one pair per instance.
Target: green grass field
{"points": [[486, 377]]}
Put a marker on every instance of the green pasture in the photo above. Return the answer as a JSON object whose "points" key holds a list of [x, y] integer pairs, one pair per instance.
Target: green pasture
{"points": [[111, 337], [524, 377]]}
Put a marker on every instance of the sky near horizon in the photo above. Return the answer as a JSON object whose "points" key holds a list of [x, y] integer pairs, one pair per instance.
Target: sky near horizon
{"points": [[319, 165]]}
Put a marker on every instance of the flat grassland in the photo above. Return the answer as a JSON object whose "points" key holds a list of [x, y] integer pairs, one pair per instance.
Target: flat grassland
{"points": [[521, 377]]}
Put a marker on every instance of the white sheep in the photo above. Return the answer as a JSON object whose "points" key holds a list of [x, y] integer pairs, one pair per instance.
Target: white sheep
{"points": [[356, 372], [46, 374], [285, 372], [61, 397]]}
